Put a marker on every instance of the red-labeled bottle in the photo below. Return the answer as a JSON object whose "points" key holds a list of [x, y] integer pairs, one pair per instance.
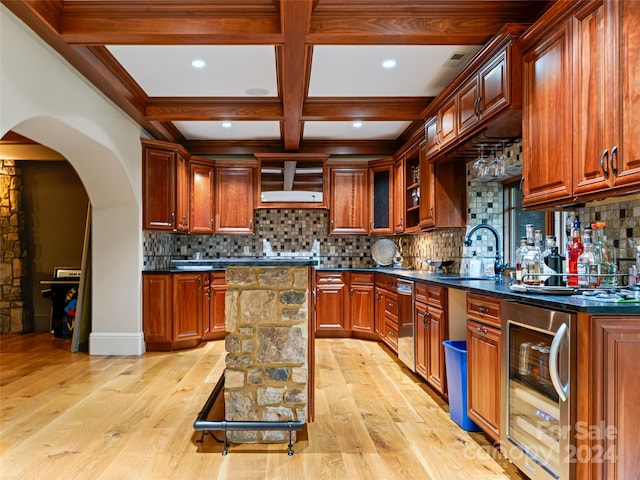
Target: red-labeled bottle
{"points": [[575, 250]]}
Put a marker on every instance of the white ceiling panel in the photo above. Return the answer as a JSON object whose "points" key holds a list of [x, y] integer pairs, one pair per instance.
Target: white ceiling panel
{"points": [[237, 130], [166, 71], [357, 70], [346, 130]]}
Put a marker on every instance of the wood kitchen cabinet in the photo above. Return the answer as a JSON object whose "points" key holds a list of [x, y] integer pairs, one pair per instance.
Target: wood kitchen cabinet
{"points": [[165, 186], [485, 93], [361, 302], [443, 197], [214, 326], [431, 330], [386, 310], [398, 195], [172, 310], [381, 198], [608, 392], [330, 293], [583, 145], [483, 363], [202, 203], [349, 205], [235, 190]]}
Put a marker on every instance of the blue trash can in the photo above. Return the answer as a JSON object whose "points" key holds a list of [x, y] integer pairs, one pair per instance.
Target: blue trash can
{"points": [[455, 356]]}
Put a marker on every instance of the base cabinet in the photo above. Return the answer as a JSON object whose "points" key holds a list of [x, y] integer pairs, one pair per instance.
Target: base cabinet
{"points": [[608, 393], [431, 330], [361, 302], [179, 310], [330, 295], [483, 363]]}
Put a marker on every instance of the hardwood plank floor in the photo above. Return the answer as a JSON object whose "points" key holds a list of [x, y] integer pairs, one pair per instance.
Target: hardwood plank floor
{"points": [[70, 415]]}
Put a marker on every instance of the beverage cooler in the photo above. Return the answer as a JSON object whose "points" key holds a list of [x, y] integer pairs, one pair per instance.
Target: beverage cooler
{"points": [[538, 407]]}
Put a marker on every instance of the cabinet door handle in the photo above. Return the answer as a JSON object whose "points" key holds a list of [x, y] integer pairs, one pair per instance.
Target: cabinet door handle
{"points": [[425, 322], [213, 223], [371, 225], [603, 163], [483, 309], [475, 107], [251, 224], [482, 330], [198, 281], [479, 105], [614, 153], [390, 333], [184, 221], [351, 292]]}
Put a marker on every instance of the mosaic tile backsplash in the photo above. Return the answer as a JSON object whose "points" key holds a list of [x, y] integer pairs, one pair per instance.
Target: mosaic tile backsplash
{"points": [[295, 230]]}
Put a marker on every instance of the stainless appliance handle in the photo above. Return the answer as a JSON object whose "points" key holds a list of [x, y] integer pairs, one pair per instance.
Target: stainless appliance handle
{"points": [[562, 390]]}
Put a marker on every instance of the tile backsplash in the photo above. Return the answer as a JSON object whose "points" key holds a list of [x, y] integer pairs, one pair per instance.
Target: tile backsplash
{"points": [[294, 230]]}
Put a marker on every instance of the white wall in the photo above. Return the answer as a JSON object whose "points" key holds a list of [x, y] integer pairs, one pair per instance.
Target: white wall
{"points": [[45, 99]]}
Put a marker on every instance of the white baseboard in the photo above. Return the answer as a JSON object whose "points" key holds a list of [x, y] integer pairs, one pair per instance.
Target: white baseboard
{"points": [[114, 343]]}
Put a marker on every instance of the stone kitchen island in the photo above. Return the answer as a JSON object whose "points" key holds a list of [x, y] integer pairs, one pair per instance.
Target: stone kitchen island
{"points": [[269, 344]]}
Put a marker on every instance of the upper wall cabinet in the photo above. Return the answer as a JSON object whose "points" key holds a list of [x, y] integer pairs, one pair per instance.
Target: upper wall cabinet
{"points": [[486, 95], [581, 135], [202, 203], [381, 206], [235, 198], [349, 206], [165, 186], [292, 180]]}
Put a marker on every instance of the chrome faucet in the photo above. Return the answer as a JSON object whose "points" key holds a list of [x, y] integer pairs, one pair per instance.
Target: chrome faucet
{"points": [[499, 267]]}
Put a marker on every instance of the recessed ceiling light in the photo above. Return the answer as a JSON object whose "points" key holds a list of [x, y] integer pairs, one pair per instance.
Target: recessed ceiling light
{"points": [[389, 63], [198, 63], [257, 92], [357, 124], [226, 124]]}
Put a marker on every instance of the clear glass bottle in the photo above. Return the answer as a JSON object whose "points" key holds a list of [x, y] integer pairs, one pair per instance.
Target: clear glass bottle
{"points": [[520, 253], [588, 263], [609, 267], [573, 252], [554, 262], [531, 271]]}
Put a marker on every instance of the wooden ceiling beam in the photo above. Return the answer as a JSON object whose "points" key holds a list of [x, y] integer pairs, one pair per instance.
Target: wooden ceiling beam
{"points": [[364, 108], [294, 68], [213, 108], [203, 148]]}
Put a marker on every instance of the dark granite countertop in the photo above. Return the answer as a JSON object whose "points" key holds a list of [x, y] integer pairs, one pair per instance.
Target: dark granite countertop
{"points": [[501, 290], [485, 287]]}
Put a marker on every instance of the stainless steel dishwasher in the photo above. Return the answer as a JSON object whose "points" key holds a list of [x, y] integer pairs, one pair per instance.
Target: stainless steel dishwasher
{"points": [[406, 331]]}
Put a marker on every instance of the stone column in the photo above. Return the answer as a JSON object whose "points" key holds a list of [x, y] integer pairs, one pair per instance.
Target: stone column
{"points": [[13, 252], [267, 361]]}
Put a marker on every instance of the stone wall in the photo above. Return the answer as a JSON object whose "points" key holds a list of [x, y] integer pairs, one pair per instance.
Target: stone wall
{"points": [[266, 372], [13, 254]]}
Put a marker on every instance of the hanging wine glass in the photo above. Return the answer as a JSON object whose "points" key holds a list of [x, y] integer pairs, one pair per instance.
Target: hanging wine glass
{"points": [[480, 162]]}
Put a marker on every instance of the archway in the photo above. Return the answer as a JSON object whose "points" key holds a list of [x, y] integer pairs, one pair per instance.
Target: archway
{"points": [[46, 100]]}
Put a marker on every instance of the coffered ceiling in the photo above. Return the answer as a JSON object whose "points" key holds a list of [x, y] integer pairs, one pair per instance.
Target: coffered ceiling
{"points": [[278, 75]]}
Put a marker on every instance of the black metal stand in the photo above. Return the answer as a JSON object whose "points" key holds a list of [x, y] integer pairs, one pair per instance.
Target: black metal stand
{"points": [[207, 426]]}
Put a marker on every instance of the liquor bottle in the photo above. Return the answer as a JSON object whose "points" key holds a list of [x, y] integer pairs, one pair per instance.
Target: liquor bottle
{"points": [[588, 263], [554, 262], [608, 268], [520, 253], [573, 252], [531, 271]]}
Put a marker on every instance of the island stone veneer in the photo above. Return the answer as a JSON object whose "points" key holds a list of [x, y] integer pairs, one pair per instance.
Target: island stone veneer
{"points": [[267, 345]]}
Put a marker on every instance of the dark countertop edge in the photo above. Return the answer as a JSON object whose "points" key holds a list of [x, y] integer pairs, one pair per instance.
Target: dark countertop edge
{"points": [[489, 288], [501, 290]]}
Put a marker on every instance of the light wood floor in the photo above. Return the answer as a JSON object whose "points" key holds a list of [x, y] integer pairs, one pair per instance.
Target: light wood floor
{"points": [[73, 416]]}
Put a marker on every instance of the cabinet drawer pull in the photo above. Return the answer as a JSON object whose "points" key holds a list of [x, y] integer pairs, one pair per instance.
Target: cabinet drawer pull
{"points": [[603, 163], [482, 330], [390, 333], [614, 153], [483, 309]]}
